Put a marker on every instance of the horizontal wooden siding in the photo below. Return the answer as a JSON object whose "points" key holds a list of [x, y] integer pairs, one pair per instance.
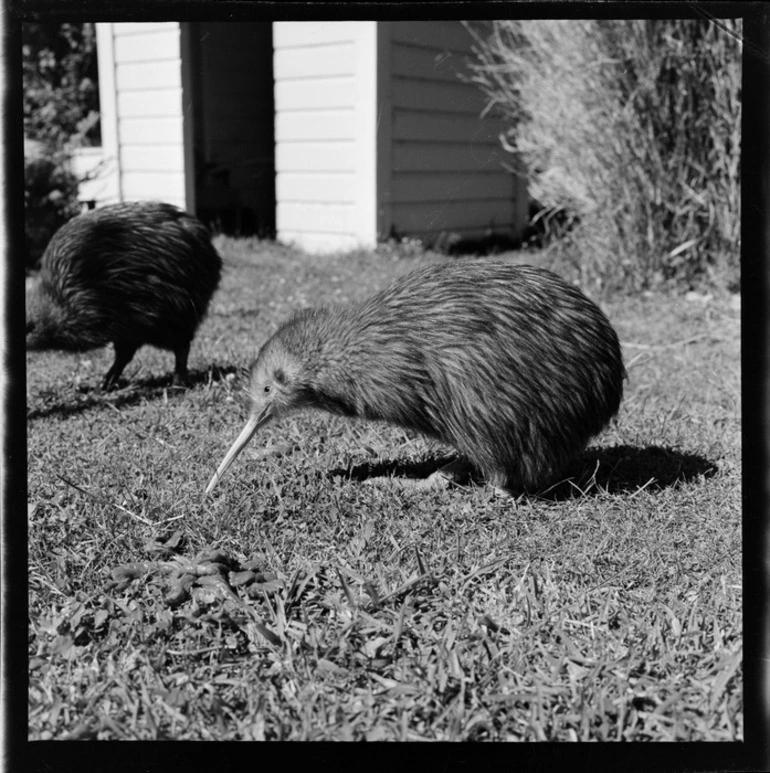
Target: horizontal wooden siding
{"points": [[447, 173], [325, 184], [149, 111]]}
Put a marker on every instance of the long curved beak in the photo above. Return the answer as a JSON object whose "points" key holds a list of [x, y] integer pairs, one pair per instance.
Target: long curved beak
{"points": [[252, 425]]}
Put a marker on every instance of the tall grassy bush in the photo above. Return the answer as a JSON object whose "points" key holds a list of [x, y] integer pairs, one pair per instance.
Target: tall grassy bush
{"points": [[632, 130]]}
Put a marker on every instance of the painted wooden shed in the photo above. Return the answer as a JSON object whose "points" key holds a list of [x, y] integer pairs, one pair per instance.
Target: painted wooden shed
{"points": [[330, 135]]}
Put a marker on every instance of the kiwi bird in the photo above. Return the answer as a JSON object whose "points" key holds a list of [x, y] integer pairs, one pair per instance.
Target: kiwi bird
{"points": [[511, 365], [130, 274]]}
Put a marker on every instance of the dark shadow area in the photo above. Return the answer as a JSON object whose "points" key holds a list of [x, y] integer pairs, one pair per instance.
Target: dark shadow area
{"points": [[625, 469], [454, 245], [233, 137], [545, 226], [614, 470], [392, 468], [130, 392]]}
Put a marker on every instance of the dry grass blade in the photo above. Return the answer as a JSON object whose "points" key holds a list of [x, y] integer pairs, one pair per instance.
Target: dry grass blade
{"points": [[409, 585], [104, 501], [673, 344], [420, 562], [348, 593], [487, 568]]}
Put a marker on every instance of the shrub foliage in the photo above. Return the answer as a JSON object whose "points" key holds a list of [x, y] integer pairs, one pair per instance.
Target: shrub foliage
{"points": [[61, 104], [631, 129], [50, 200], [61, 93]]}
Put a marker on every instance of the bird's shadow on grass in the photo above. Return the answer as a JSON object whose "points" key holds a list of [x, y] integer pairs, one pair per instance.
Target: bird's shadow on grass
{"points": [[129, 393], [619, 469], [625, 469]]}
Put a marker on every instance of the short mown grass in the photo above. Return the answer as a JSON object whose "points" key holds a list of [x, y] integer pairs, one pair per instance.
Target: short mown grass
{"points": [[305, 601]]}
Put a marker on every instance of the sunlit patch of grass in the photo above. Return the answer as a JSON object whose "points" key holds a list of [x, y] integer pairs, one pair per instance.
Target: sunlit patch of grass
{"points": [[609, 609]]}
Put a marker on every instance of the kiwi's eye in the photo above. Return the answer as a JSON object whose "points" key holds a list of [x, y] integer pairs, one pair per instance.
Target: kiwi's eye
{"points": [[267, 388]]}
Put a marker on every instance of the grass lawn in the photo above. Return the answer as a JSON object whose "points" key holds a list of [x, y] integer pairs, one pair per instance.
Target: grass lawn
{"points": [[302, 601]]}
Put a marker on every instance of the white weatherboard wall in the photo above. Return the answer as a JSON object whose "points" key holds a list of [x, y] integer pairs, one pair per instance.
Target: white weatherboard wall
{"points": [[326, 133], [445, 170], [378, 135], [143, 112]]}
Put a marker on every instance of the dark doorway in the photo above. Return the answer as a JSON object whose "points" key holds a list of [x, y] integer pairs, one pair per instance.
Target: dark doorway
{"points": [[233, 126]]}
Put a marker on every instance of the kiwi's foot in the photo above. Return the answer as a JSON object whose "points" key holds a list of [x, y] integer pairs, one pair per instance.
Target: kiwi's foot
{"points": [[180, 381], [456, 472], [111, 383]]}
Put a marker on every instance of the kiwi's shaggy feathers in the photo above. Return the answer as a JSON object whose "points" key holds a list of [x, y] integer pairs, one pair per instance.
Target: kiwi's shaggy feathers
{"points": [[511, 365], [130, 274]]}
